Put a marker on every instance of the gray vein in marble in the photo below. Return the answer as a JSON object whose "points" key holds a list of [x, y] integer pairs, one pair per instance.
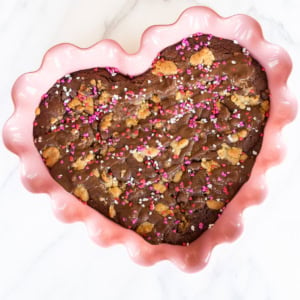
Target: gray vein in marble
{"points": [[31, 264], [119, 16], [8, 176], [277, 25]]}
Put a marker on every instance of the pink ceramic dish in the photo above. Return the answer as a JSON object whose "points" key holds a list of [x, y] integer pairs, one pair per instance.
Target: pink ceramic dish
{"points": [[66, 58]]}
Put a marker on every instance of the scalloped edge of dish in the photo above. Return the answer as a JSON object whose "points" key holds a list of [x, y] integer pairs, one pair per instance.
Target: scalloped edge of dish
{"points": [[66, 58]]}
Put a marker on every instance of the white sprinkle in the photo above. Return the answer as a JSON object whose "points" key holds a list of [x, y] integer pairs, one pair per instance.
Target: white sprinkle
{"points": [[231, 138], [245, 51], [144, 199]]}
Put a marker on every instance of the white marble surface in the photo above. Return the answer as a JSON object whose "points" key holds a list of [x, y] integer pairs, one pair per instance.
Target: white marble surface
{"points": [[41, 258]]}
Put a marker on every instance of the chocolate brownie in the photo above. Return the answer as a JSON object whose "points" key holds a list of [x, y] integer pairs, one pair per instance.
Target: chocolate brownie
{"points": [[161, 153]]}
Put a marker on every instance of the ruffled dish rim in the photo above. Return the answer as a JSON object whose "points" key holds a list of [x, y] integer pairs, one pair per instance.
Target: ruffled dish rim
{"points": [[66, 58]]}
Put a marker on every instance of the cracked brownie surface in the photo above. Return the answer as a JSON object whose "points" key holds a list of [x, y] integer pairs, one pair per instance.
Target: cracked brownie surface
{"points": [[161, 153]]}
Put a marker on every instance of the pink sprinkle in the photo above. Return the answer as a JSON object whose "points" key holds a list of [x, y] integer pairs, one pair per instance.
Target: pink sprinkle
{"points": [[165, 175], [142, 183], [201, 225], [185, 42], [152, 206], [112, 71], [129, 93], [204, 188]]}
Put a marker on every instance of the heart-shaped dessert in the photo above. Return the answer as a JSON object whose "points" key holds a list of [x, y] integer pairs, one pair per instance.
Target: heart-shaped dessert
{"points": [[227, 101], [161, 153]]}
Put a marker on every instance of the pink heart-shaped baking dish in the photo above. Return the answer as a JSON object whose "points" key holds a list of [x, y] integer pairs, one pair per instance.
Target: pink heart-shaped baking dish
{"points": [[66, 58]]}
